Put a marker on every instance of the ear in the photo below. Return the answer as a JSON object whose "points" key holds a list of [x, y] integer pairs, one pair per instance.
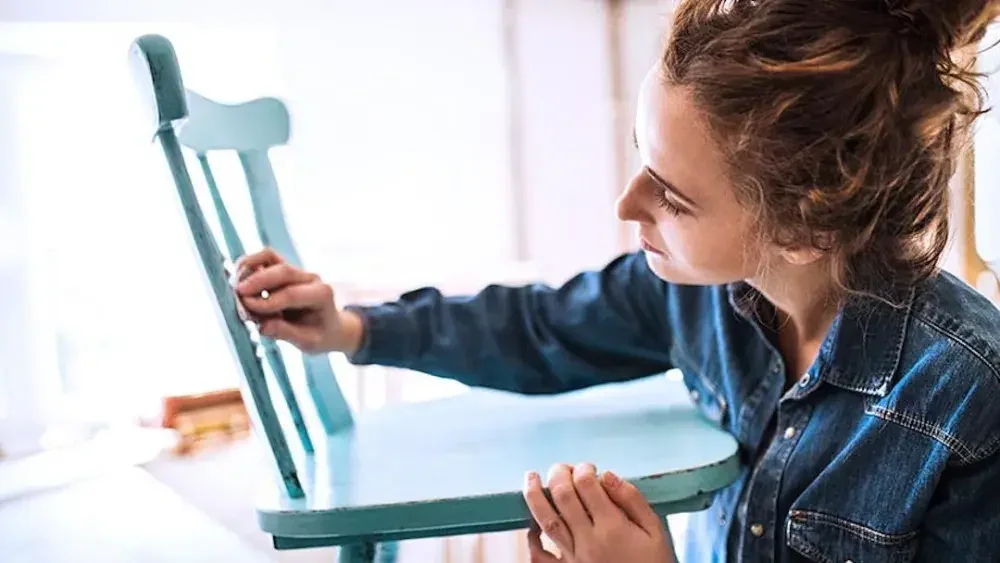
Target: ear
{"points": [[801, 256]]}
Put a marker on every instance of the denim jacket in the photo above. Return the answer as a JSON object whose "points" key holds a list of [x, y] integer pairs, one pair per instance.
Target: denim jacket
{"points": [[886, 450]]}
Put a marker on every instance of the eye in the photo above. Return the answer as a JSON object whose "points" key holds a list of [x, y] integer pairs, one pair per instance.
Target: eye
{"points": [[662, 199], [665, 203]]}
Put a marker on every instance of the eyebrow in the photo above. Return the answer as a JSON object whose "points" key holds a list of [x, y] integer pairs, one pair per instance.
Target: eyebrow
{"points": [[659, 179]]}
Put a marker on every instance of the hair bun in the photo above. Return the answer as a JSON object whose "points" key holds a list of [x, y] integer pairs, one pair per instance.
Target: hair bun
{"points": [[948, 24]]}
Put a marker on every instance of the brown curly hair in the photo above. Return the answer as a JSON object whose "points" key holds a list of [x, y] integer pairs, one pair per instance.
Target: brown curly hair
{"points": [[840, 120]]}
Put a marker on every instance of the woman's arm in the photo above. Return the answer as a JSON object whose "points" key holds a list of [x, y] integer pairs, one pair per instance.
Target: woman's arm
{"points": [[601, 326]]}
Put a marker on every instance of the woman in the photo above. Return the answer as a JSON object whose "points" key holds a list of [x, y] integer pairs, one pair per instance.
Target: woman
{"points": [[792, 205]]}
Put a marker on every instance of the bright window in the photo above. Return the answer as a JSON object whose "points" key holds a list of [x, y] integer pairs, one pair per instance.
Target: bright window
{"points": [[398, 164]]}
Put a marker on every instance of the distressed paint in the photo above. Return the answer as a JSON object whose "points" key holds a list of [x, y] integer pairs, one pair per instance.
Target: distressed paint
{"points": [[333, 410], [694, 504], [242, 347], [455, 466], [271, 351], [158, 79]]}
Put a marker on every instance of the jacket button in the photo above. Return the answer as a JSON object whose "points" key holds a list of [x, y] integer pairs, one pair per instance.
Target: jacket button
{"points": [[805, 380], [789, 432], [757, 530]]}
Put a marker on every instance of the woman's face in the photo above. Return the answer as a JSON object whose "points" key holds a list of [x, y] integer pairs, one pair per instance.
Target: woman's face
{"points": [[692, 228]]}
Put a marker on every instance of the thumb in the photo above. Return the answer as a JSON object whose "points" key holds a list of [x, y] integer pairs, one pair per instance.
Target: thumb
{"points": [[631, 501], [536, 549], [305, 339]]}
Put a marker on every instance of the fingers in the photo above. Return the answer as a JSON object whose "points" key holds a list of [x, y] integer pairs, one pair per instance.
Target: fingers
{"points": [[272, 277], [631, 501], [593, 495], [263, 258], [280, 329], [566, 500], [302, 296], [544, 513], [536, 549]]}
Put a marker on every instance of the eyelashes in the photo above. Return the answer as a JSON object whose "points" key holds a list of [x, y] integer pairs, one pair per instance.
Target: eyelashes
{"points": [[665, 203], [660, 193]]}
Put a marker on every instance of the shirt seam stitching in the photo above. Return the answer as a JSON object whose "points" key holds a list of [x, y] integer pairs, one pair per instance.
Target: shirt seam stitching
{"points": [[995, 444], [870, 534], [961, 341], [966, 453]]}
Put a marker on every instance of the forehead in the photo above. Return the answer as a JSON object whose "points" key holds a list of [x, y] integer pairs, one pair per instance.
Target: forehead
{"points": [[674, 140]]}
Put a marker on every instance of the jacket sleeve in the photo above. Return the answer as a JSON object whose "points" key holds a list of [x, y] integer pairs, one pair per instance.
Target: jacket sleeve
{"points": [[598, 327]]}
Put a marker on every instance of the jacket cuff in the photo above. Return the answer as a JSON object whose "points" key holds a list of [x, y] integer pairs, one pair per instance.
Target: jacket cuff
{"points": [[387, 337]]}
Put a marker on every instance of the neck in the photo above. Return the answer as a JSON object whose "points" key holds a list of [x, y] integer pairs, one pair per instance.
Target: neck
{"points": [[806, 305]]}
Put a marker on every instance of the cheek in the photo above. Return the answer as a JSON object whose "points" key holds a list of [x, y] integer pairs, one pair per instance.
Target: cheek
{"points": [[708, 247]]}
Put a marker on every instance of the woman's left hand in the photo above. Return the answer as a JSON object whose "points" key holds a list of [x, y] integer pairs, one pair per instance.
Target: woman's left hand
{"points": [[594, 520]]}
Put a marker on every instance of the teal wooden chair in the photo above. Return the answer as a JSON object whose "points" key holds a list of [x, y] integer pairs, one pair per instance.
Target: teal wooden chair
{"points": [[438, 468]]}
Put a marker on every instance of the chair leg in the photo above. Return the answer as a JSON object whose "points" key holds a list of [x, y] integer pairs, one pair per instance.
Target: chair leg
{"points": [[387, 552], [369, 553], [357, 553]]}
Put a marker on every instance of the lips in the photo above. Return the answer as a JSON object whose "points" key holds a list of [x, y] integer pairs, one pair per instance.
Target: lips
{"points": [[650, 248]]}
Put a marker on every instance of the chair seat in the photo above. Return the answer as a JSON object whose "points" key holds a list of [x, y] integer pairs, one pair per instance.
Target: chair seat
{"points": [[456, 465]]}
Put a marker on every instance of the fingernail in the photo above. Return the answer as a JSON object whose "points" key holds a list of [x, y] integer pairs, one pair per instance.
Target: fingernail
{"points": [[556, 468], [530, 478], [611, 480]]}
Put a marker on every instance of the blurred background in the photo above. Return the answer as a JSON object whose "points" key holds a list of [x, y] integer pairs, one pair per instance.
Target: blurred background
{"points": [[433, 142]]}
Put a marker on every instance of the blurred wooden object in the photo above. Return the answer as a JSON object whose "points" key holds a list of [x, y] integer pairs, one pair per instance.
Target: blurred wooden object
{"points": [[201, 418], [176, 406], [965, 259], [968, 263]]}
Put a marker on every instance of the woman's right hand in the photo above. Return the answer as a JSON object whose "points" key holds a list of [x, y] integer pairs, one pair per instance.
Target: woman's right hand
{"points": [[294, 305]]}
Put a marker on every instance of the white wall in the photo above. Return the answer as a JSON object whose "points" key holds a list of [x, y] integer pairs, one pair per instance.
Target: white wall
{"points": [[422, 90], [27, 331], [134, 11], [400, 134], [567, 134], [454, 49]]}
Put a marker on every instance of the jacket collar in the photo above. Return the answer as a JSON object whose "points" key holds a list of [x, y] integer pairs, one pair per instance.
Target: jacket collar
{"points": [[862, 350]]}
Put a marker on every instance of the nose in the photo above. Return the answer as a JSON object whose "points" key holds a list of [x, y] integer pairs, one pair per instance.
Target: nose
{"points": [[632, 204]]}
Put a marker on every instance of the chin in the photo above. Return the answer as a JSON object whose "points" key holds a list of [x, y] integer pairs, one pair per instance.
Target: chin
{"points": [[669, 271]]}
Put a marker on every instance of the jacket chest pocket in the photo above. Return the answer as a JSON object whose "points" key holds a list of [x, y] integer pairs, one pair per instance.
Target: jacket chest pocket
{"points": [[827, 539]]}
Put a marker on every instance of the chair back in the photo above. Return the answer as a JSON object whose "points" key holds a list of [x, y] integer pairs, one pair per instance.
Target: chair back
{"points": [[182, 119]]}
